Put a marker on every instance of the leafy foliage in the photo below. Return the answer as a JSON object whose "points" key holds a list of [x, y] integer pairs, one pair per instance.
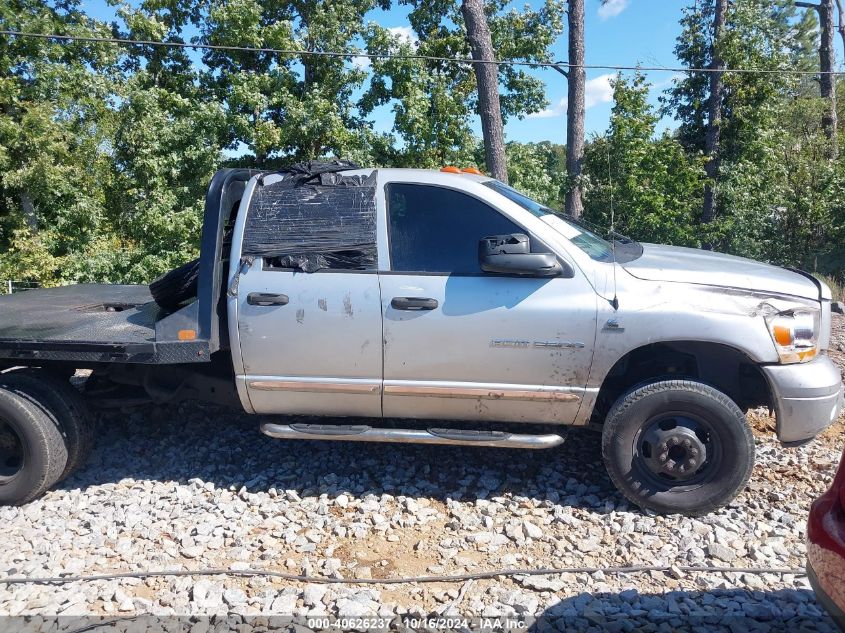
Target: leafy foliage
{"points": [[778, 195], [652, 185], [105, 151], [54, 119], [433, 102], [538, 170]]}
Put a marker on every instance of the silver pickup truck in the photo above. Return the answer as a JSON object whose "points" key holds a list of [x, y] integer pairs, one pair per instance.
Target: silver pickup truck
{"points": [[437, 307]]}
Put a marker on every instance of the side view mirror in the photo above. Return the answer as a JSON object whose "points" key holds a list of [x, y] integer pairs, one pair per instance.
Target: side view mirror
{"points": [[511, 254]]}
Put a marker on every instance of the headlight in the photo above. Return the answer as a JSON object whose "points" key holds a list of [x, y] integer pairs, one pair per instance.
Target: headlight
{"points": [[795, 333]]}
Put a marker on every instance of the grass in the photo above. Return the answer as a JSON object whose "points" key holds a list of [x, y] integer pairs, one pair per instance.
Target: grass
{"points": [[836, 286]]}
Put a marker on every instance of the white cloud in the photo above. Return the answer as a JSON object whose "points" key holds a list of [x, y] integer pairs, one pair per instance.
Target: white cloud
{"points": [[665, 83], [598, 90], [547, 113], [360, 62], [405, 34], [612, 8]]}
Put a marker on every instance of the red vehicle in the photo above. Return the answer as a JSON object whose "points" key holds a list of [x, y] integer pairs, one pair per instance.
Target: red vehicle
{"points": [[826, 547]]}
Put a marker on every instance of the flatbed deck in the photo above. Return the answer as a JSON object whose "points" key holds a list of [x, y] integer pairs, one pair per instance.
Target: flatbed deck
{"points": [[88, 322], [88, 325]]}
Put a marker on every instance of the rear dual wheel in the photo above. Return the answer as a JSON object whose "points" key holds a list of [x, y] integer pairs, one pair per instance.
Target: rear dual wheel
{"points": [[58, 399], [32, 450], [678, 447], [45, 433]]}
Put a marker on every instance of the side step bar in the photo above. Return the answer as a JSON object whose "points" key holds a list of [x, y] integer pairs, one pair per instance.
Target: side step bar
{"points": [[362, 433]]}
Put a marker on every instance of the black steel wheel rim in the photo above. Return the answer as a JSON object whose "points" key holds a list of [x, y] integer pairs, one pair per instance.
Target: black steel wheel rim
{"points": [[676, 451], [12, 453]]}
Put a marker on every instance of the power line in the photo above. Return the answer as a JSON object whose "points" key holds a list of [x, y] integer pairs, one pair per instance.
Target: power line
{"points": [[559, 66], [480, 575]]}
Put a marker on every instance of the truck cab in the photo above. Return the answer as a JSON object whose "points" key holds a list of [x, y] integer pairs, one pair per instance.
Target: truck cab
{"points": [[421, 331]]}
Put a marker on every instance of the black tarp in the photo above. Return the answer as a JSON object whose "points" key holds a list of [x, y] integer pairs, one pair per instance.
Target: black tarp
{"points": [[314, 218]]}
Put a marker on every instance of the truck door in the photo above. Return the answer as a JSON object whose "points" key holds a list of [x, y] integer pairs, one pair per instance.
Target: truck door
{"points": [[310, 342], [464, 344]]}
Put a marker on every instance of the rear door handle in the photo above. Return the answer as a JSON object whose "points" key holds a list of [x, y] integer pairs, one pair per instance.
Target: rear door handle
{"points": [[413, 303], [266, 299]]}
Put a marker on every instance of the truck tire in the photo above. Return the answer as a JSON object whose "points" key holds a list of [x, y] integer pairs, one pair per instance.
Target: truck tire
{"points": [[173, 289], [677, 447], [67, 406], [32, 449]]}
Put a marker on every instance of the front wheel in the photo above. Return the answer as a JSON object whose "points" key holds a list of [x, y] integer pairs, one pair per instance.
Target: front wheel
{"points": [[677, 447]]}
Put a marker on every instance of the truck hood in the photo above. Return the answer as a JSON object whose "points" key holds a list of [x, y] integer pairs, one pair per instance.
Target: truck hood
{"points": [[694, 266]]}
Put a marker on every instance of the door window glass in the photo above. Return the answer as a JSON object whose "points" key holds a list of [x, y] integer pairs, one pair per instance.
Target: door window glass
{"points": [[434, 229]]}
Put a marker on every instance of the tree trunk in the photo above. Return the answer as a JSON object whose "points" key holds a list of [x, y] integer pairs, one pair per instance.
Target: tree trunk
{"points": [[487, 78], [827, 80], [841, 23], [714, 115], [30, 217], [575, 108], [827, 65]]}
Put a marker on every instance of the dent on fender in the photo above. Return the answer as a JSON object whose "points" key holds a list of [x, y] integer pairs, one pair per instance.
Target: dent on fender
{"points": [[686, 312]]}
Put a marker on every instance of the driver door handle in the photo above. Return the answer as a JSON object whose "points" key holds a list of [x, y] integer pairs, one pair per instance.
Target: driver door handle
{"points": [[413, 303], [266, 299]]}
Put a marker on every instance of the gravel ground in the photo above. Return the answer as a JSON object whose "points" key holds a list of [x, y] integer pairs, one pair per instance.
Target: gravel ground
{"points": [[195, 487]]}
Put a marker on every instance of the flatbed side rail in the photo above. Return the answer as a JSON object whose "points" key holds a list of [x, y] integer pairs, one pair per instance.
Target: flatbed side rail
{"points": [[100, 352]]}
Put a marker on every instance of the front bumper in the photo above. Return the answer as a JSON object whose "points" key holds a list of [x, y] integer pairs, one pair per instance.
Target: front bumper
{"points": [[808, 397]]}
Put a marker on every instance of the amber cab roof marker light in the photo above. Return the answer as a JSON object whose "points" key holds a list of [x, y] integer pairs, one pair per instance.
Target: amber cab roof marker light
{"points": [[450, 169], [472, 170]]}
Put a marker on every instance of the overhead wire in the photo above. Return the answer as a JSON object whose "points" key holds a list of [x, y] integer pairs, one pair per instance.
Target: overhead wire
{"points": [[493, 573], [557, 65]]}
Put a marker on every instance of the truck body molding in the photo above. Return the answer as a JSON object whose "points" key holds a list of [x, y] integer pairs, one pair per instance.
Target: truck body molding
{"points": [[539, 393]]}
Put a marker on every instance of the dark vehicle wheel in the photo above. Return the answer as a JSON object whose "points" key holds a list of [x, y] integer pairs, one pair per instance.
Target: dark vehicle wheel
{"points": [[173, 289], [32, 450], [677, 447], [58, 399]]}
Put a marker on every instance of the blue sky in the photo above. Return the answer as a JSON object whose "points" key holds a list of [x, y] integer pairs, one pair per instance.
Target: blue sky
{"points": [[625, 33], [622, 32]]}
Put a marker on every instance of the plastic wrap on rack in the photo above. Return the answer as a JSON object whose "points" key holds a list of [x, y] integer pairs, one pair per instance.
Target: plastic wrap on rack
{"points": [[312, 168], [314, 218]]}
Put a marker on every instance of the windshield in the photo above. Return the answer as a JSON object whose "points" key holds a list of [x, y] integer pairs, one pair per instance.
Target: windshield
{"points": [[576, 232]]}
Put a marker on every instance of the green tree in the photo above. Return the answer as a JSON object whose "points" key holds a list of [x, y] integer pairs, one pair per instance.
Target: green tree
{"points": [[167, 143], [284, 105], [655, 186], [434, 102], [538, 170], [804, 41], [429, 101], [758, 34], [166, 149], [55, 124], [786, 197]]}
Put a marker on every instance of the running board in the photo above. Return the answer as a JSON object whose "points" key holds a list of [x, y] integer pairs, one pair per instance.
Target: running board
{"points": [[362, 433]]}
